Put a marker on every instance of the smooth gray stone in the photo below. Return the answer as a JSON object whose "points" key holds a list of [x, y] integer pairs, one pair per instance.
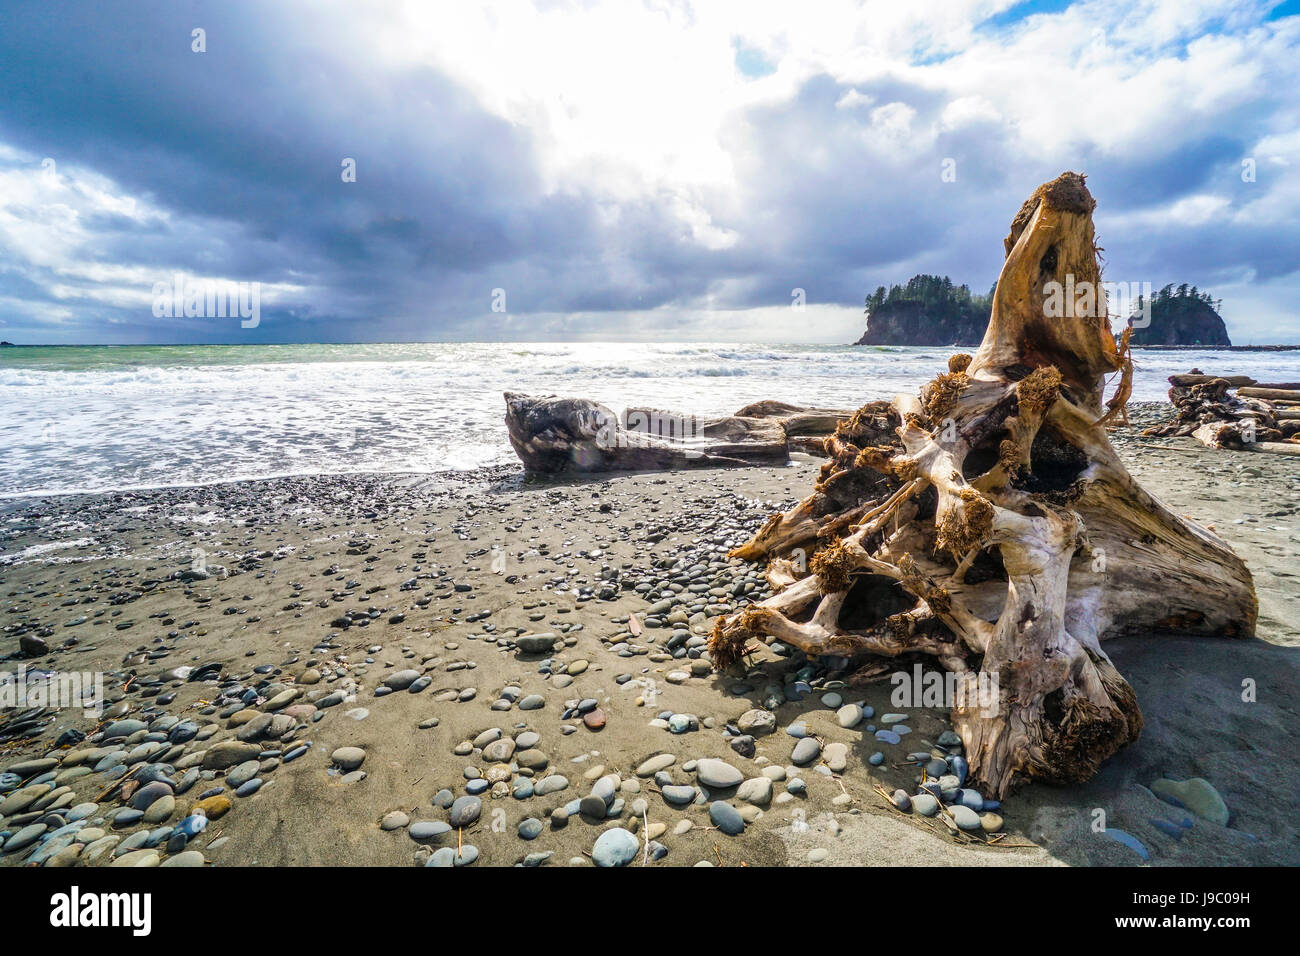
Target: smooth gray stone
{"points": [[25, 837], [678, 795], [718, 774], [465, 811], [423, 831], [348, 758], [925, 804], [965, 817], [805, 751], [535, 643], [245, 772], [726, 818], [616, 847], [401, 680], [552, 784]]}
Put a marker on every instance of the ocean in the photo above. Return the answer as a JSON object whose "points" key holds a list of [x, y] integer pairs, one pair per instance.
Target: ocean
{"points": [[101, 418]]}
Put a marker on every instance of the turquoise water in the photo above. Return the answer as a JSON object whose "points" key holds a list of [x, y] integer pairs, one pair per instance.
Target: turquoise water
{"points": [[95, 418]]}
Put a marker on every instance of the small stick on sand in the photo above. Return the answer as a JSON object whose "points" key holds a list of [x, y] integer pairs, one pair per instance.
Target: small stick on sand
{"points": [[117, 785]]}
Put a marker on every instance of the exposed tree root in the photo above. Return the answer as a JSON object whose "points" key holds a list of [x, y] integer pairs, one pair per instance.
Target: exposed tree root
{"points": [[986, 525]]}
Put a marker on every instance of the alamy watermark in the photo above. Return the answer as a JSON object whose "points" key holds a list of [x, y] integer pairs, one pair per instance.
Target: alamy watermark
{"points": [[208, 299], [652, 423], [922, 688], [1086, 299], [23, 689], [75, 909]]}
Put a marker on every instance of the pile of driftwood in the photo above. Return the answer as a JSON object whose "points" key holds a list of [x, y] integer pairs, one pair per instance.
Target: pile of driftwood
{"points": [[555, 435], [1259, 417]]}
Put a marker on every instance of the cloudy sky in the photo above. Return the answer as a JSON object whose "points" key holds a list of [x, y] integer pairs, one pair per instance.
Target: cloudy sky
{"points": [[624, 170]]}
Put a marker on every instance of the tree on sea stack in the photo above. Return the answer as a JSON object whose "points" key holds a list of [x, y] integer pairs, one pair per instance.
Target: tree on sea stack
{"points": [[986, 525]]}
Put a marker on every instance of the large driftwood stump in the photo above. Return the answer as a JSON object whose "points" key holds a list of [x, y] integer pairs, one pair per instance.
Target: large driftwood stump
{"points": [[987, 525]]}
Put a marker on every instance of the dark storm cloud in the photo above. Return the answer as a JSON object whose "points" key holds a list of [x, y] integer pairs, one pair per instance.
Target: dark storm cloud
{"points": [[250, 136], [238, 149]]}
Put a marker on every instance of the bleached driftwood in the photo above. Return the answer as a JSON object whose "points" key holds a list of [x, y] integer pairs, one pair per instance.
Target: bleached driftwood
{"points": [[987, 525], [1254, 419], [553, 435]]}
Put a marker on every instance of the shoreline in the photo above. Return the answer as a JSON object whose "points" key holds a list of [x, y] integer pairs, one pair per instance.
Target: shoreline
{"points": [[1141, 414], [441, 578]]}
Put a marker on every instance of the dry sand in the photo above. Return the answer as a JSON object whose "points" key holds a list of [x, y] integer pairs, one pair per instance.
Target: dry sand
{"points": [[1190, 690]]}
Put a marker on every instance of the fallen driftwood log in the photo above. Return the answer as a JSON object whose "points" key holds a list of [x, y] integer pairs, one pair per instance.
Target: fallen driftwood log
{"points": [[553, 435], [1196, 378], [1254, 419], [1235, 381], [1280, 394], [987, 525]]}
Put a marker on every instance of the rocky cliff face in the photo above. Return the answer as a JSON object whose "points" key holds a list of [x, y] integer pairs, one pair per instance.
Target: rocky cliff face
{"points": [[912, 323], [928, 310], [931, 311], [1182, 320]]}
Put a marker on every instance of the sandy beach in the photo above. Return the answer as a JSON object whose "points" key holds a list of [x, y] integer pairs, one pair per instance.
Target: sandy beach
{"points": [[275, 610]]}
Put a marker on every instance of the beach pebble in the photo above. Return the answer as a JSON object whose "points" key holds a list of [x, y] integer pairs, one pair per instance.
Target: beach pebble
{"points": [[615, 847], [465, 811], [551, 784], [652, 765], [756, 790], [530, 829], [1128, 840], [726, 818], [447, 856], [837, 756], [925, 804], [535, 643], [756, 723], [849, 716], [228, 753], [805, 751], [1197, 795], [143, 798], [965, 817], [717, 774], [678, 795], [401, 680], [214, 807], [186, 858], [348, 758], [423, 831]]}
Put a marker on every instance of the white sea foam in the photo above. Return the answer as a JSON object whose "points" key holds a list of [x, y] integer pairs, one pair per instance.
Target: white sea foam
{"points": [[96, 419], [45, 551]]}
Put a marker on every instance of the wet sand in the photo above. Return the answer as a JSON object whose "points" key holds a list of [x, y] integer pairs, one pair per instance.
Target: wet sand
{"points": [[420, 559]]}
